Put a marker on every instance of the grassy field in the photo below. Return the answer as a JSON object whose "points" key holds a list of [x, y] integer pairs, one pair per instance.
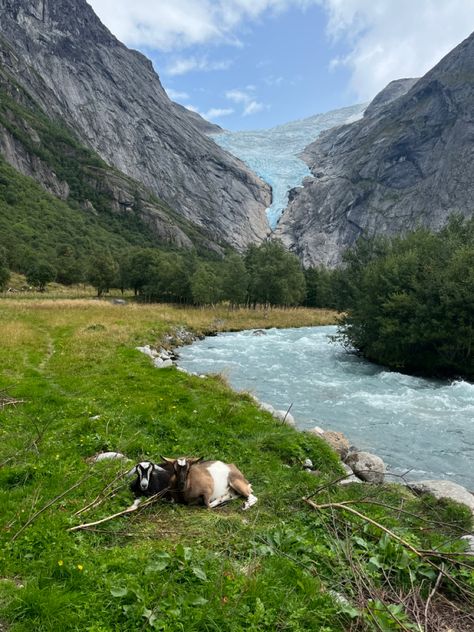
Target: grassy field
{"points": [[80, 387]]}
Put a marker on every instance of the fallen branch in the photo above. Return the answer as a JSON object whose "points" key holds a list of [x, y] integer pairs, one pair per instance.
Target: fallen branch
{"points": [[420, 554], [103, 495], [432, 593], [48, 505], [134, 507]]}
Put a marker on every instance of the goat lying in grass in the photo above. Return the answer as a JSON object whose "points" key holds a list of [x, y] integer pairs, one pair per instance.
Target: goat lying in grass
{"points": [[210, 483], [193, 481]]}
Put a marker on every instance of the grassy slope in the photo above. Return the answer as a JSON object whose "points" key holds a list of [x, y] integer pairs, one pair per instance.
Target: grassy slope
{"points": [[32, 218], [171, 567]]}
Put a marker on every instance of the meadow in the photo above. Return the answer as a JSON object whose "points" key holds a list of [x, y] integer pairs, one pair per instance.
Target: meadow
{"points": [[72, 384]]}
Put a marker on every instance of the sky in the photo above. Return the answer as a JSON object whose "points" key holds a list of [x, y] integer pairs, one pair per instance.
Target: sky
{"points": [[253, 64]]}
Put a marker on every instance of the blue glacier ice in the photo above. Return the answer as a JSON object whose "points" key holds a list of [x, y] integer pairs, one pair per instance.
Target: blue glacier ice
{"points": [[273, 153]]}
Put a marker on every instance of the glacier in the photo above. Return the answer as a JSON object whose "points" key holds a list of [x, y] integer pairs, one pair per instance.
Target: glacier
{"points": [[273, 153]]}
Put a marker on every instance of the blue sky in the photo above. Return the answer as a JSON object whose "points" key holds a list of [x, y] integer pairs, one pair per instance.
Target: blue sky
{"points": [[249, 64]]}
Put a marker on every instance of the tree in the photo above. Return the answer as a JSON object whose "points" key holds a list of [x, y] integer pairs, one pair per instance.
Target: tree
{"points": [[139, 267], [413, 303], [276, 276], [102, 272], [235, 280], [40, 275], [70, 269], [205, 285], [4, 270]]}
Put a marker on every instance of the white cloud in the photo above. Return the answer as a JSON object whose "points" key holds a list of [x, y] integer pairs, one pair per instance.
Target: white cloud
{"points": [[238, 96], [177, 95], [167, 26], [182, 65], [212, 113], [252, 108], [242, 97], [390, 39], [218, 113]]}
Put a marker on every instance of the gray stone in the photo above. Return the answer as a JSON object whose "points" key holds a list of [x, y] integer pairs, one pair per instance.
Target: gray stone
{"points": [[308, 463], [350, 478], [118, 301], [338, 442], [469, 539], [285, 417], [444, 489], [268, 408], [389, 172], [107, 456], [316, 431], [366, 466]]}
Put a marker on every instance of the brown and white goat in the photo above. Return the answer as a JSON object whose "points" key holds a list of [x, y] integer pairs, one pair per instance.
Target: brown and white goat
{"points": [[210, 483]]}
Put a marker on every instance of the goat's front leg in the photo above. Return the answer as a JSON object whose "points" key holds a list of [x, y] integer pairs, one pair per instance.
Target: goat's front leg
{"points": [[222, 499]]}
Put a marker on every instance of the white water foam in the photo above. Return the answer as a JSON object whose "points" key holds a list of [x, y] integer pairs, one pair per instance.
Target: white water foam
{"points": [[410, 422]]}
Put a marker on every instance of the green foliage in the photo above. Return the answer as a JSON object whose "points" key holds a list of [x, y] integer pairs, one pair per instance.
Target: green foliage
{"points": [[276, 276], [4, 271], [235, 280], [101, 272], [40, 274], [206, 285], [413, 300]]}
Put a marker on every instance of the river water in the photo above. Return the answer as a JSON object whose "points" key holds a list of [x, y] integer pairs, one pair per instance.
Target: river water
{"points": [[424, 426]]}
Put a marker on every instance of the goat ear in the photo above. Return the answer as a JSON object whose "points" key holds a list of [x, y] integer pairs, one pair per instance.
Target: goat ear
{"points": [[132, 471], [195, 460], [157, 468]]}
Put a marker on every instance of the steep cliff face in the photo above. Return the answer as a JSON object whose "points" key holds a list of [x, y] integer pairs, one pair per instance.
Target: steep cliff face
{"points": [[408, 162], [113, 99]]}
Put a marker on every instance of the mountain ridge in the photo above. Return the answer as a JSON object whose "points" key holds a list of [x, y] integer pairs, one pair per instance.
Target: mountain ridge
{"points": [[406, 163], [113, 100]]}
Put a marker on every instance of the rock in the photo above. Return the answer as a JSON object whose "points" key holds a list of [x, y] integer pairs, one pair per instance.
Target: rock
{"points": [[338, 442], [118, 301], [316, 431], [469, 539], [259, 332], [308, 463], [105, 456], [444, 489], [72, 66], [366, 466], [166, 364], [350, 476], [268, 408], [285, 417]]}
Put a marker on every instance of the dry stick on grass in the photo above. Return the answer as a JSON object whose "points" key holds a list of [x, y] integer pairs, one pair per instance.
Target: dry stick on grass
{"points": [[103, 495], [393, 535], [432, 593], [48, 505], [129, 510], [287, 412]]}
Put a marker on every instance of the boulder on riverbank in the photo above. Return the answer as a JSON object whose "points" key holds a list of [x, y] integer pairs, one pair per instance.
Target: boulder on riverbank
{"points": [[338, 442], [444, 489], [366, 466]]}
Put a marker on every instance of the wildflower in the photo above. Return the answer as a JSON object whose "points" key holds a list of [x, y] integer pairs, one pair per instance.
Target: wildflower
{"points": [[80, 567], [60, 563]]}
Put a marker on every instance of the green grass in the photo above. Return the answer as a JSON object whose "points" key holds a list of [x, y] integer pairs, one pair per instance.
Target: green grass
{"points": [[86, 389]]}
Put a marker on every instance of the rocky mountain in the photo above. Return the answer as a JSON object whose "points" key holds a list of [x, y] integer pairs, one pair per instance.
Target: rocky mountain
{"points": [[76, 71], [407, 162]]}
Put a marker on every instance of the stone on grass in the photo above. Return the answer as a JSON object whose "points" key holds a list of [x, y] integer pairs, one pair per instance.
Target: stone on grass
{"points": [[366, 466], [338, 442], [469, 539], [268, 408], [285, 417], [351, 478], [316, 431], [105, 456], [444, 489]]}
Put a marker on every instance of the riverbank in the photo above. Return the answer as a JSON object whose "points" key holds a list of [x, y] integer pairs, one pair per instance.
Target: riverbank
{"points": [[81, 387]]}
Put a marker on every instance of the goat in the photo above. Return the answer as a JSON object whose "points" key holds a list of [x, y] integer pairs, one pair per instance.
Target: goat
{"points": [[210, 483], [152, 479]]}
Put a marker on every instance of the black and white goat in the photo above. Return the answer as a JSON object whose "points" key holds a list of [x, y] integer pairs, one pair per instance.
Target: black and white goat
{"points": [[152, 479], [210, 483]]}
